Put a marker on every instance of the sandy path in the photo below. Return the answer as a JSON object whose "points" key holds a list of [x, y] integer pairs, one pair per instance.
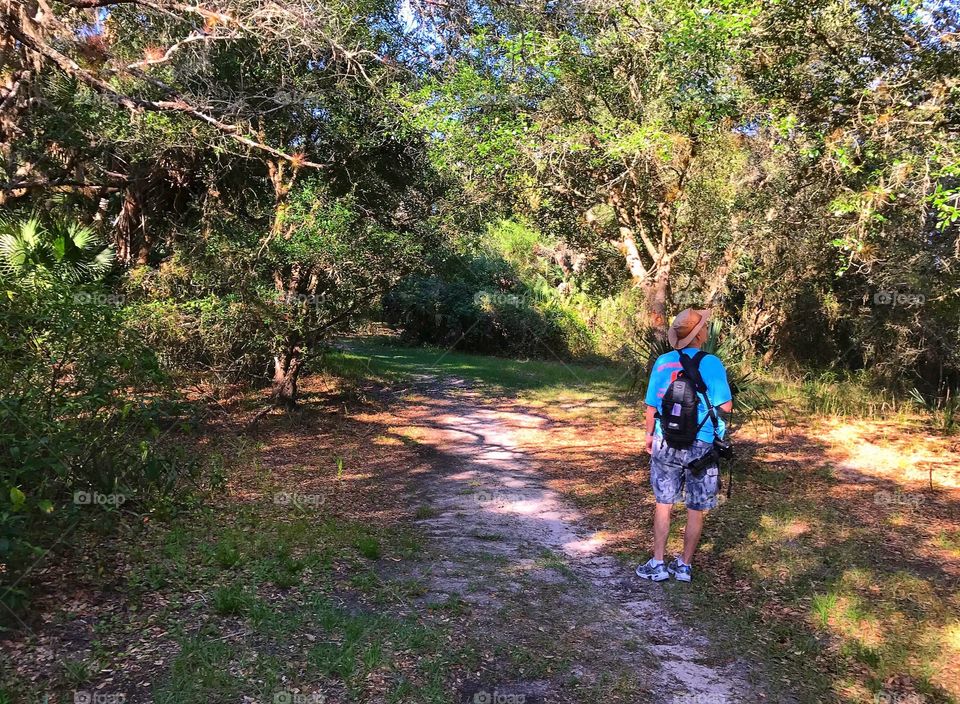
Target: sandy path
{"points": [[489, 501]]}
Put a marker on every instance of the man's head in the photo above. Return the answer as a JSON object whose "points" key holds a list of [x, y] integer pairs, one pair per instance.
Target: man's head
{"points": [[689, 329]]}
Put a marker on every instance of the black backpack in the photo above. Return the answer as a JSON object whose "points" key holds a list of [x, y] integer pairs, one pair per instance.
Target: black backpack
{"points": [[678, 409]]}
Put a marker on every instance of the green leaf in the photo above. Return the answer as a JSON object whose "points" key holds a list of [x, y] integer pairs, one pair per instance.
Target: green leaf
{"points": [[17, 497]]}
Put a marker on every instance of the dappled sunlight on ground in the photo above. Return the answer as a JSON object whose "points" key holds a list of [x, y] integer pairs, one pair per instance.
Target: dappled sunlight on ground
{"points": [[839, 509], [891, 450], [833, 543]]}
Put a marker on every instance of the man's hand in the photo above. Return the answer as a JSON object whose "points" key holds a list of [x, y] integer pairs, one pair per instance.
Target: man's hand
{"points": [[650, 437]]}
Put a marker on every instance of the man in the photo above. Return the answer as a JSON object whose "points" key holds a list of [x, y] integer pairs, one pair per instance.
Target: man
{"points": [[669, 471]]}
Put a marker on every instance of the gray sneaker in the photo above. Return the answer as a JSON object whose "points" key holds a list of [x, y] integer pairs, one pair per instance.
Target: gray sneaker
{"points": [[652, 570], [680, 571]]}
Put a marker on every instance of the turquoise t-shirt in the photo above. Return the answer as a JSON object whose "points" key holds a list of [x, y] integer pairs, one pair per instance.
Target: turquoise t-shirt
{"points": [[714, 374]]}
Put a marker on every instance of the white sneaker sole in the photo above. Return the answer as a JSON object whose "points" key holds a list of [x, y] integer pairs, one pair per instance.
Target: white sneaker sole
{"points": [[679, 577], [651, 577]]}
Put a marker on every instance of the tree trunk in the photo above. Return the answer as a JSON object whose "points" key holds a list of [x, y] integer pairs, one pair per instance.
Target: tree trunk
{"points": [[133, 240], [632, 254], [657, 297], [288, 361], [286, 372]]}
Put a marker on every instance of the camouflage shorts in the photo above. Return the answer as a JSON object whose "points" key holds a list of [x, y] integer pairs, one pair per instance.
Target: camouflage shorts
{"points": [[669, 478]]}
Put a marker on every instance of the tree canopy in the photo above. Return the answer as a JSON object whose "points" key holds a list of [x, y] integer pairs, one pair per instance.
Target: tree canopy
{"points": [[793, 165]]}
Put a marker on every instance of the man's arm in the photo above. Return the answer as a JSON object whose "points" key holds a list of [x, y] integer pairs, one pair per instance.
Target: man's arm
{"points": [[650, 420], [715, 377]]}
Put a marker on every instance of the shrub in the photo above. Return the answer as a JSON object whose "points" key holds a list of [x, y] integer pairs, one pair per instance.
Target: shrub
{"points": [[84, 405], [200, 320], [472, 317]]}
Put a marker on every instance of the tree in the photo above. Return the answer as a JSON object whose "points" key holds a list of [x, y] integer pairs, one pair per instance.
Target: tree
{"points": [[783, 163], [202, 126], [611, 121], [859, 155]]}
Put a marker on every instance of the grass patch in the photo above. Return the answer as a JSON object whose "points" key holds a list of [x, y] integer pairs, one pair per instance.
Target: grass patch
{"points": [[231, 600], [368, 546], [591, 388], [266, 614], [200, 673], [823, 597], [425, 512], [551, 561]]}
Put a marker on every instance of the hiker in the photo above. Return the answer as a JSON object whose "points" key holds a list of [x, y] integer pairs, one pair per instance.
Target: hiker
{"points": [[681, 430]]}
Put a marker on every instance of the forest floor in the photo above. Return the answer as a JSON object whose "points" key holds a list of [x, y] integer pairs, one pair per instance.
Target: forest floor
{"points": [[434, 527]]}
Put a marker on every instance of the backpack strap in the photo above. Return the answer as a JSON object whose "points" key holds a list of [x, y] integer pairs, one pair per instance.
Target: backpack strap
{"points": [[691, 368]]}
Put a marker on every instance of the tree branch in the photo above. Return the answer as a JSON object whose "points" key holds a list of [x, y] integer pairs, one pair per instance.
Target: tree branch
{"points": [[60, 183], [72, 68]]}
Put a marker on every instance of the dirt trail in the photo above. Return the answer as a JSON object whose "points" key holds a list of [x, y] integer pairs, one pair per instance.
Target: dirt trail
{"points": [[503, 538]]}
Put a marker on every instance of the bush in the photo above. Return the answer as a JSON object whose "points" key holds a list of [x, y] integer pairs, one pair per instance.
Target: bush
{"points": [[200, 322], [222, 337], [518, 293], [458, 315], [82, 417]]}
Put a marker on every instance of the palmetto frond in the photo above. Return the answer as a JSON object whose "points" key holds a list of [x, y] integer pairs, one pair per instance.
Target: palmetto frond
{"points": [[37, 255]]}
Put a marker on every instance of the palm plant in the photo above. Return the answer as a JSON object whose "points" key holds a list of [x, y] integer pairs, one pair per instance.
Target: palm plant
{"points": [[750, 399], [38, 255]]}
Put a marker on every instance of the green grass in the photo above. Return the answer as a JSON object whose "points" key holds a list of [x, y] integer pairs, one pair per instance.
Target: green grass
{"points": [[552, 561], [346, 643], [244, 639], [232, 600], [368, 546], [383, 360], [425, 512], [76, 672], [199, 672]]}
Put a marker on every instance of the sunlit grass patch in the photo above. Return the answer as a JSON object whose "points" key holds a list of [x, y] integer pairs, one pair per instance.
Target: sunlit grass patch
{"points": [[553, 380], [774, 529], [866, 614], [894, 450], [861, 631], [950, 542]]}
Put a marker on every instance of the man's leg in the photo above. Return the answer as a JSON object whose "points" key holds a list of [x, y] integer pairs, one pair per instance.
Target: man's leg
{"points": [[691, 534], [661, 529]]}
